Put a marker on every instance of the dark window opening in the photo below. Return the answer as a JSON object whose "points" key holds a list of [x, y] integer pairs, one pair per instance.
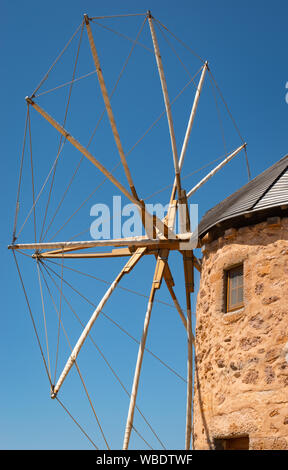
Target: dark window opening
{"points": [[235, 443], [234, 288]]}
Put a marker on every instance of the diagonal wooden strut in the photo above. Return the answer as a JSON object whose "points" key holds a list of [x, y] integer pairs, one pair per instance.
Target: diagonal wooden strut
{"points": [[108, 106], [72, 358], [170, 283], [162, 229], [81, 149], [158, 275]]}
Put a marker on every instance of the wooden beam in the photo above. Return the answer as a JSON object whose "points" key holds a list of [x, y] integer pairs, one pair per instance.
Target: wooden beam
{"points": [[137, 242], [192, 115], [109, 107], [215, 170], [113, 254], [81, 149], [197, 264], [187, 274], [190, 124], [166, 101], [92, 255], [170, 283], [160, 267], [177, 305], [134, 259], [171, 215], [188, 264], [73, 356], [161, 227], [188, 259], [158, 274]]}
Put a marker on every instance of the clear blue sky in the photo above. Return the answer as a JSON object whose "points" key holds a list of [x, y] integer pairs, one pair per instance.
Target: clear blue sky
{"points": [[246, 46]]}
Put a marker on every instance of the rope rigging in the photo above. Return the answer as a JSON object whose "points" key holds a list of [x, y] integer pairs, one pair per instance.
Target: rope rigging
{"points": [[76, 422], [56, 60], [114, 322], [109, 282], [96, 127], [127, 154], [162, 269], [20, 178], [64, 122], [97, 347]]}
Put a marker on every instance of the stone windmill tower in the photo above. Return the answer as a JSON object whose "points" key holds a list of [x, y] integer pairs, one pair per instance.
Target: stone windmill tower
{"points": [[241, 374]]}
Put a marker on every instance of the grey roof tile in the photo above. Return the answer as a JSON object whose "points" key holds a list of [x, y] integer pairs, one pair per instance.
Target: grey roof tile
{"points": [[269, 189]]}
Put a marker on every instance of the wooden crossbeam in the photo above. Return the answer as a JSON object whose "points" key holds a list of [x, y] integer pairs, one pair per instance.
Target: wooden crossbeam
{"points": [[116, 253], [133, 242]]}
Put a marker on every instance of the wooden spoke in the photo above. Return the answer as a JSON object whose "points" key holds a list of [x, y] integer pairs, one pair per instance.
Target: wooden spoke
{"points": [[167, 102], [81, 149], [190, 125], [158, 274], [216, 169], [159, 238], [108, 107], [73, 356], [162, 229], [140, 241]]}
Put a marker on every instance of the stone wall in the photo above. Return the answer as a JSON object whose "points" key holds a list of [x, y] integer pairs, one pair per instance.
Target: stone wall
{"points": [[241, 376]]}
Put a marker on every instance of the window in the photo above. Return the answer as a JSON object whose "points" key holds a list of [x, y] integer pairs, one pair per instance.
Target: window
{"points": [[235, 443], [234, 288]]}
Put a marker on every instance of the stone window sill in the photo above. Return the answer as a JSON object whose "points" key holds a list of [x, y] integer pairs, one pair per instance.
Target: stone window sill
{"points": [[230, 317]]}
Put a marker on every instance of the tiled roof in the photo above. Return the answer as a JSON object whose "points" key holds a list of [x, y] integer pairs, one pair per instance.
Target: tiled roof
{"points": [[267, 190]]}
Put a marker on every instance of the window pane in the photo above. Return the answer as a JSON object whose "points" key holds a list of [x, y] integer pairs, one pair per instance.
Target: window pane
{"points": [[234, 288], [233, 280], [240, 279], [240, 295], [233, 297]]}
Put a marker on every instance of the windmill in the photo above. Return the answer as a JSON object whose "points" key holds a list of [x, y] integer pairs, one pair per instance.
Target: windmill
{"points": [[159, 240]]}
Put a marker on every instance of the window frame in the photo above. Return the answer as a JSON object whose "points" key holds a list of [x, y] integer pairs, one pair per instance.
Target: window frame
{"points": [[232, 443], [227, 279]]}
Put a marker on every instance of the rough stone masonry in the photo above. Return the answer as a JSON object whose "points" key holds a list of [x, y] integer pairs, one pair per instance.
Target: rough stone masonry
{"points": [[241, 373]]}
